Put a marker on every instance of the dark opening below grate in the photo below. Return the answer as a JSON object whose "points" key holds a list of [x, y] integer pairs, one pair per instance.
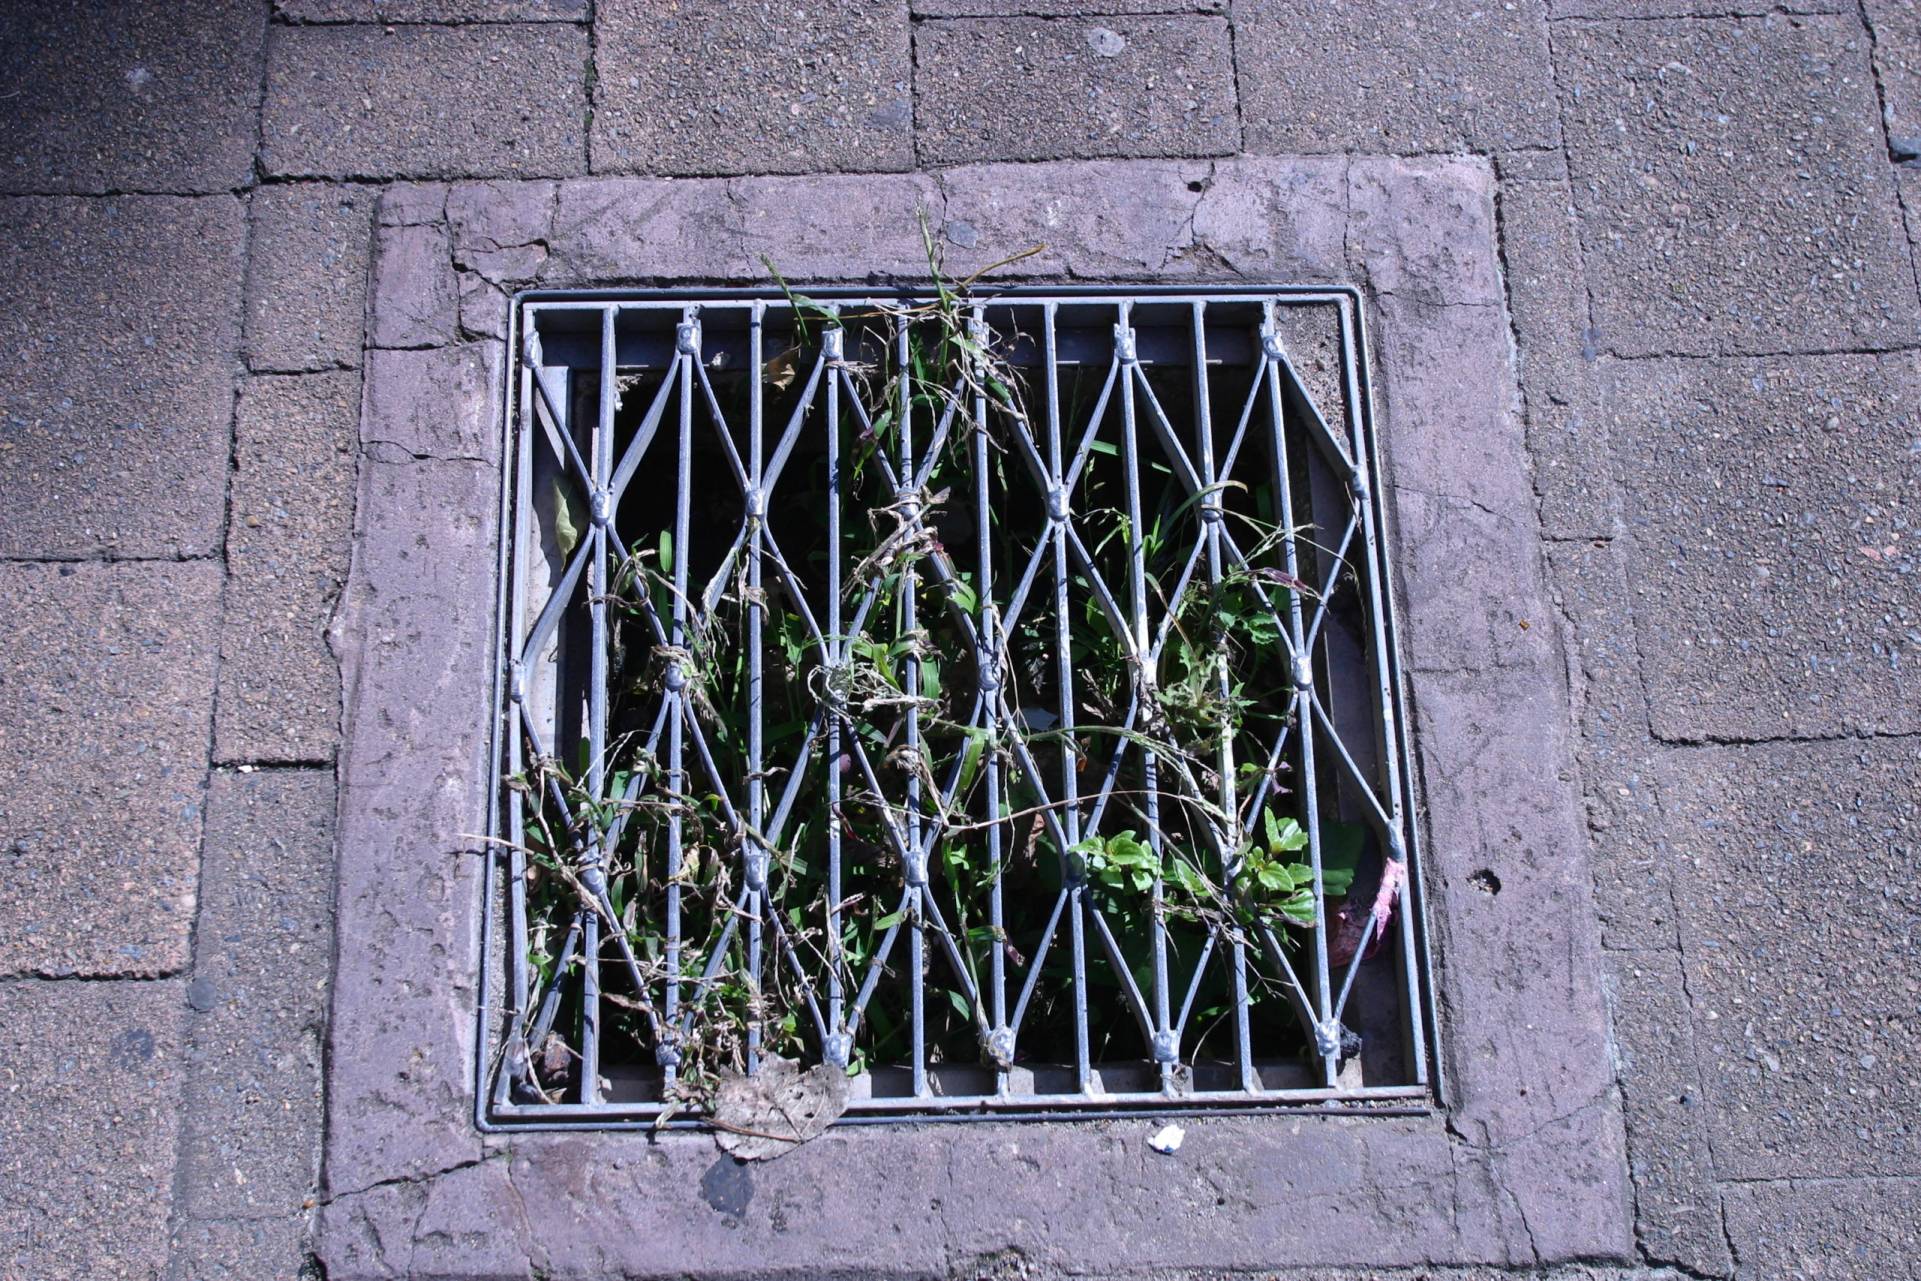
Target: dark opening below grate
{"points": [[995, 698]]}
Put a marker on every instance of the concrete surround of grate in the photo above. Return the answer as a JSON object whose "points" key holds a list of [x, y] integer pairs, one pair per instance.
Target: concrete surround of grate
{"points": [[1525, 1165]]}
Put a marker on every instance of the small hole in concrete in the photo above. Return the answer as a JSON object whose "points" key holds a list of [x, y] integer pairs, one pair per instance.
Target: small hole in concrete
{"points": [[1197, 185], [1486, 882]]}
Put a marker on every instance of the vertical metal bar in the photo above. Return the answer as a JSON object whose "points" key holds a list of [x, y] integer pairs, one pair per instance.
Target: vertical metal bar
{"points": [[1326, 1037], [1057, 503], [1126, 353], [600, 455], [916, 871], [837, 651], [988, 662], [686, 349], [752, 848]]}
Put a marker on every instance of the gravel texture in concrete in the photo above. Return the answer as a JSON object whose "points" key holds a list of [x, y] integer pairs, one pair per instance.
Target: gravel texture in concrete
{"points": [[258, 997], [1730, 210], [1388, 76], [117, 406], [130, 96], [1809, 1048], [91, 1074], [752, 88], [413, 101], [447, 11], [1085, 87], [109, 663], [1769, 501], [307, 276], [291, 528]]}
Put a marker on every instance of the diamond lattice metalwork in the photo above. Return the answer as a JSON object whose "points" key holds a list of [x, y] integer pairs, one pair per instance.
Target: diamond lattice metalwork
{"points": [[992, 698]]}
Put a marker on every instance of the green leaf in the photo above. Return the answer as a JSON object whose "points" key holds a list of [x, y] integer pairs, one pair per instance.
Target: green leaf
{"points": [[1341, 846], [567, 522], [666, 548]]}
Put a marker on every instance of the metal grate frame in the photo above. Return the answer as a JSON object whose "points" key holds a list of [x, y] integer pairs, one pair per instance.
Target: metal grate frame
{"points": [[1344, 734]]}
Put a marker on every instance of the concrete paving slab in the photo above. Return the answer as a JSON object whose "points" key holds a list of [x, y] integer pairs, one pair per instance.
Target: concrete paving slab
{"points": [[446, 11], [291, 529], [252, 1111], [1384, 76], [1627, 849], [425, 102], [1725, 211], [307, 276], [501, 229], [1677, 1209], [1773, 568], [1794, 876], [115, 413], [1548, 303], [753, 88], [130, 96], [242, 1250], [1086, 88], [108, 692], [91, 1076], [1690, 8], [1827, 1230], [1058, 8]]}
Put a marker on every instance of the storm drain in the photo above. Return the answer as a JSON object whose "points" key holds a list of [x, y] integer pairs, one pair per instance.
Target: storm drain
{"points": [[991, 700]]}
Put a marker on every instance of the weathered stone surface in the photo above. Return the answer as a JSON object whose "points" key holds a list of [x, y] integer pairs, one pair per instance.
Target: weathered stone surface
{"points": [[412, 204], [307, 276], [409, 101], [1677, 1207], [416, 301], [242, 1250], [453, 11], [253, 1109], [1424, 229], [130, 96], [1725, 210], [501, 229], [835, 228], [1444, 373], [414, 635], [1627, 847], [107, 692], [1515, 1181], [435, 404], [1850, 1229], [1689, 8], [1767, 501], [1382, 76], [1547, 302], [1501, 800], [1806, 1035], [757, 88], [114, 415], [92, 1081], [1086, 88], [287, 546], [622, 229], [1263, 219]]}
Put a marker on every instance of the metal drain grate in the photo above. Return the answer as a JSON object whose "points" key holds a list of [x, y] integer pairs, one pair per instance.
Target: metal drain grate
{"points": [[993, 698]]}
